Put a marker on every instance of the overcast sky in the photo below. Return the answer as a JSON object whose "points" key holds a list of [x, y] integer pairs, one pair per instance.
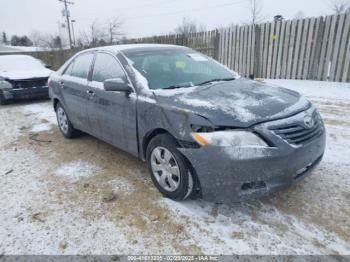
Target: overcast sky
{"points": [[146, 17]]}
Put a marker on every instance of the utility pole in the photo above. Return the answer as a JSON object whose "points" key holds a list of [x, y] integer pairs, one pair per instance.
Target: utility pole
{"points": [[67, 15], [73, 21]]}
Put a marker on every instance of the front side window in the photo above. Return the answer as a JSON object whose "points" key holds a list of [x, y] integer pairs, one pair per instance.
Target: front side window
{"points": [[81, 66], [69, 69], [106, 67], [167, 68]]}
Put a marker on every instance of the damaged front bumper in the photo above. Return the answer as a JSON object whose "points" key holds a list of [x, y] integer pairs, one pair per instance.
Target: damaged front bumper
{"points": [[25, 93], [229, 174]]}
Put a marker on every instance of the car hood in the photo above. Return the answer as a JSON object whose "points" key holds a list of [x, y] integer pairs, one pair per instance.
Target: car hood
{"points": [[238, 103], [25, 74]]}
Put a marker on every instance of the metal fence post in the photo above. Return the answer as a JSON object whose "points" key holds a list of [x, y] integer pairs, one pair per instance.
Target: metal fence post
{"points": [[257, 52], [216, 44]]}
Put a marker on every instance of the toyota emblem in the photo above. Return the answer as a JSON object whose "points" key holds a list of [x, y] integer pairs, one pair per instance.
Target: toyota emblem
{"points": [[308, 121]]}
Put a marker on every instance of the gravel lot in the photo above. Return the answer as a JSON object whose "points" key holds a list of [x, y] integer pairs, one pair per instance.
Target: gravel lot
{"points": [[83, 196]]}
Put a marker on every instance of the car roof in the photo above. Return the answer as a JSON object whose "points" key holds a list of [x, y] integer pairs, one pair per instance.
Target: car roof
{"points": [[138, 47]]}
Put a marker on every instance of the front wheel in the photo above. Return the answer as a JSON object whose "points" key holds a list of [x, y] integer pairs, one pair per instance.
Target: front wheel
{"points": [[169, 169]]}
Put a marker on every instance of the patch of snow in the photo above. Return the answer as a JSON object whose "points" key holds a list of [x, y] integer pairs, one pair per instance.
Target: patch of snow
{"points": [[41, 127], [8, 48], [302, 103], [235, 231], [75, 170], [134, 46], [196, 102], [25, 74], [172, 92], [44, 116], [147, 99], [315, 88], [33, 223], [237, 108], [121, 184], [19, 62], [338, 140]]}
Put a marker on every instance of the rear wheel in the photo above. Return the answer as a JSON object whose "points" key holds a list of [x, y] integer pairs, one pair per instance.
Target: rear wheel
{"points": [[3, 101], [169, 169], [64, 123]]}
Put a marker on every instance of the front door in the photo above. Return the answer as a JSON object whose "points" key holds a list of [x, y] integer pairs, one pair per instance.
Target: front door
{"points": [[112, 114]]}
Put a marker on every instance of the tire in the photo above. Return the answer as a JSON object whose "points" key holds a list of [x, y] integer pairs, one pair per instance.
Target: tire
{"points": [[3, 101], [64, 124], [177, 185]]}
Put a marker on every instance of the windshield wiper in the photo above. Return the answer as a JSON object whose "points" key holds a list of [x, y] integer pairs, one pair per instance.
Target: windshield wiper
{"points": [[216, 80], [183, 85]]}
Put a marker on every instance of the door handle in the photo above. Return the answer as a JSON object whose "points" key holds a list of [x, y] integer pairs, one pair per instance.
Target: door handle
{"points": [[61, 84], [90, 92]]}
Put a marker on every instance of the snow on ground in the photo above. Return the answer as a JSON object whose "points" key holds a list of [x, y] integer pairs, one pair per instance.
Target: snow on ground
{"points": [[122, 184], [43, 116], [315, 88], [75, 170], [83, 196], [6, 48], [238, 233]]}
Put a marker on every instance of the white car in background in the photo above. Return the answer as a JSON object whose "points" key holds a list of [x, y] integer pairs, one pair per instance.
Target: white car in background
{"points": [[22, 76]]}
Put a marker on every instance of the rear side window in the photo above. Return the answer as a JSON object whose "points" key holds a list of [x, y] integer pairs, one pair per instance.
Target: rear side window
{"points": [[80, 66], [106, 67]]}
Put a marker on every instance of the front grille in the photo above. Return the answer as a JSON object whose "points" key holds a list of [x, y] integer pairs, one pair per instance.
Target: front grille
{"points": [[39, 82], [298, 133]]}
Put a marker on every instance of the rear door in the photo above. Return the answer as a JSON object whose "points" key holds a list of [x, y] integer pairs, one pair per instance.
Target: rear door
{"points": [[112, 114], [74, 83]]}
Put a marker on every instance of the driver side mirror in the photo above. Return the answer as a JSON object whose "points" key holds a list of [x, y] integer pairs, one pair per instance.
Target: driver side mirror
{"points": [[117, 84]]}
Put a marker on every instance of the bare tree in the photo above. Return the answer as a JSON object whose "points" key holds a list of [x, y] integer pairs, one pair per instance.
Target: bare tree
{"points": [[340, 6], [36, 37], [114, 29], [101, 34], [47, 41], [93, 35], [189, 26], [256, 12]]}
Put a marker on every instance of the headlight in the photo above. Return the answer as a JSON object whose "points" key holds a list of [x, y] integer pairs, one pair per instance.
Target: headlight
{"points": [[229, 139]]}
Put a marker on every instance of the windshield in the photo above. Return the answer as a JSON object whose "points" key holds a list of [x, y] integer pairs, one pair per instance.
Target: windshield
{"points": [[19, 62], [177, 68]]}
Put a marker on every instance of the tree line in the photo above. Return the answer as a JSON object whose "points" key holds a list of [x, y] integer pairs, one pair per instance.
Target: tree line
{"points": [[35, 39]]}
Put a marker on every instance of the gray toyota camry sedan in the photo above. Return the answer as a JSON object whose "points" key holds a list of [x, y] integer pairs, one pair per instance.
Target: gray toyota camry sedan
{"points": [[204, 131]]}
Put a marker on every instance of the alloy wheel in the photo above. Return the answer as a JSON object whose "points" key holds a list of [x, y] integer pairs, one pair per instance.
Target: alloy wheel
{"points": [[62, 120], [165, 169]]}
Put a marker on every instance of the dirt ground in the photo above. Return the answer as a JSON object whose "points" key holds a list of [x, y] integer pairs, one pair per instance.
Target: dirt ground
{"points": [[83, 196]]}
